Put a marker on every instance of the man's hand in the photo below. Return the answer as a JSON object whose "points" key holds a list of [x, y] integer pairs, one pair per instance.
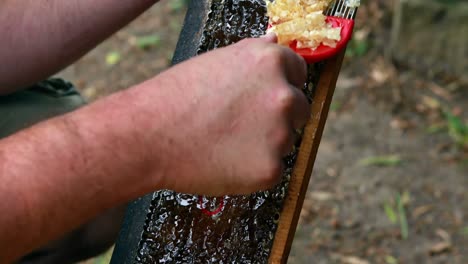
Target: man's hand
{"points": [[228, 120]]}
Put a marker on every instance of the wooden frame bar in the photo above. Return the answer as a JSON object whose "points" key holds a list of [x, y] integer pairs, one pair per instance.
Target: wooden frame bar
{"points": [[305, 161]]}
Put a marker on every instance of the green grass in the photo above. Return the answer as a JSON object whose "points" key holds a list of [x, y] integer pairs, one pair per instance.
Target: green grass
{"points": [[391, 213], [148, 41], [357, 48], [391, 260], [383, 161], [112, 58], [396, 212], [457, 129], [402, 217], [465, 231], [335, 106], [436, 128], [177, 5]]}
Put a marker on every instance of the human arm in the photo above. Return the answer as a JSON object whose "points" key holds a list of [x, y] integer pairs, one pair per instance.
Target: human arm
{"points": [[52, 174], [39, 38], [195, 128]]}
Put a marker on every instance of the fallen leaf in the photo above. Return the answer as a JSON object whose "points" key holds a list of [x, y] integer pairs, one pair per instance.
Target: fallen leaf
{"points": [[381, 71], [354, 260], [335, 223], [398, 123], [345, 82], [331, 172], [419, 211], [322, 196], [458, 213], [431, 102], [90, 92], [420, 108], [444, 235], [437, 90], [362, 34], [380, 76], [440, 248]]}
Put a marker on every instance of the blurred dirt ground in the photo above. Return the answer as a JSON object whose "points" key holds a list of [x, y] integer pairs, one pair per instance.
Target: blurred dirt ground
{"points": [[390, 183]]}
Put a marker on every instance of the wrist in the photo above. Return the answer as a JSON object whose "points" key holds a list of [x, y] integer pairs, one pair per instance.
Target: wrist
{"points": [[113, 141]]}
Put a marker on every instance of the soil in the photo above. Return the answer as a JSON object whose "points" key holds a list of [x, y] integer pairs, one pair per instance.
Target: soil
{"points": [[386, 137]]}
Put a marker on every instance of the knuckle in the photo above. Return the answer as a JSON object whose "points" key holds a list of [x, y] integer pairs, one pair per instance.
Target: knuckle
{"points": [[300, 62], [270, 56], [284, 98], [282, 137], [273, 51]]}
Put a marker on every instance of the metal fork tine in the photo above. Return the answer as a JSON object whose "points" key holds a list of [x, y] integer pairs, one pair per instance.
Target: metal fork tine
{"points": [[352, 13], [343, 9], [349, 10], [337, 6], [331, 8], [340, 8]]}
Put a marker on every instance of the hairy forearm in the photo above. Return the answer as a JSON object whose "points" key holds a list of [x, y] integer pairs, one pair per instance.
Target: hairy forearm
{"points": [[39, 37], [60, 173]]}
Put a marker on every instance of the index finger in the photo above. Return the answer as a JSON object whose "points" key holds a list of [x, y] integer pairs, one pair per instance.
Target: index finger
{"points": [[295, 67]]}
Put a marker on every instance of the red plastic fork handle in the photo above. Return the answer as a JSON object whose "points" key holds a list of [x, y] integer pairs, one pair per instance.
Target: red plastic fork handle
{"points": [[323, 52]]}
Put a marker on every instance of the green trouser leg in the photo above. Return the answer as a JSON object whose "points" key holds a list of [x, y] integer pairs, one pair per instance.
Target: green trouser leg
{"points": [[27, 107], [42, 101]]}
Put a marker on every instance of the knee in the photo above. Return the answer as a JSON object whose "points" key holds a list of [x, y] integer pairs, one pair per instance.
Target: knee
{"points": [[88, 241], [100, 234]]}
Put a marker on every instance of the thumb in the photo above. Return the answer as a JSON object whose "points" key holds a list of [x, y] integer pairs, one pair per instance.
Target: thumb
{"points": [[270, 37]]}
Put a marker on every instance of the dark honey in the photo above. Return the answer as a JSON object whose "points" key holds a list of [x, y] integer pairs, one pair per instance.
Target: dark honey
{"points": [[176, 229]]}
